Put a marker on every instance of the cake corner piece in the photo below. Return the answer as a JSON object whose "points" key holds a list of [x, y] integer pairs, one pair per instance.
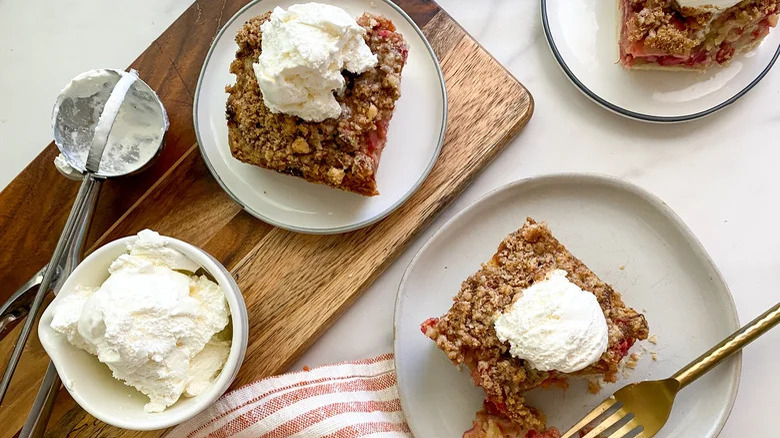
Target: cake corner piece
{"points": [[690, 35], [466, 332], [342, 152]]}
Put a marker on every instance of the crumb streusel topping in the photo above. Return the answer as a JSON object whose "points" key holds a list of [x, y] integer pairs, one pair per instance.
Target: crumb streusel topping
{"points": [[467, 335], [342, 152], [702, 35]]}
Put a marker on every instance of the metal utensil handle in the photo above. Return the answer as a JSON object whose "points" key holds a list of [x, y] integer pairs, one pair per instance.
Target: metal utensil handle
{"points": [[72, 256], [35, 426], [38, 418], [18, 305], [729, 346], [59, 250]]}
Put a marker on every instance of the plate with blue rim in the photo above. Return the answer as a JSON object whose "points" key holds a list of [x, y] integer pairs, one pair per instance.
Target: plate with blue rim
{"points": [[583, 37]]}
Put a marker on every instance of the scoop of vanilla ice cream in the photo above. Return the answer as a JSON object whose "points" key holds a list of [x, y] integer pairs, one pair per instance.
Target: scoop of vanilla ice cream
{"points": [[152, 249], [304, 51], [66, 316], [153, 325], [204, 365], [555, 325]]}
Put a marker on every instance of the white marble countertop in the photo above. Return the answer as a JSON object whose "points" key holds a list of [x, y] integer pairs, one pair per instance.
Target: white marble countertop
{"points": [[719, 174]]}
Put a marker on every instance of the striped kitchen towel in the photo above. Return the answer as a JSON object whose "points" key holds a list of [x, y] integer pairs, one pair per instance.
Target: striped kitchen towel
{"points": [[351, 399]]}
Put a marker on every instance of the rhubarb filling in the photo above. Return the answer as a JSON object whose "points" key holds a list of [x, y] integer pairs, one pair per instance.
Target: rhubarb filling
{"points": [[662, 33], [467, 335]]}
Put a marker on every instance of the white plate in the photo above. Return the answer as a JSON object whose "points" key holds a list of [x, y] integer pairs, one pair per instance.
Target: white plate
{"points": [[583, 37], [414, 139], [607, 224]]}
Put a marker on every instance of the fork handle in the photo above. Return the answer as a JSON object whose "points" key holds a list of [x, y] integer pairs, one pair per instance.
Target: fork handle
{"points": [[729, 346]]}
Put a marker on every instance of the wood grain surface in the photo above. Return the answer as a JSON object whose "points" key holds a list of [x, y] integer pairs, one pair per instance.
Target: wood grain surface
{"points": [[294, 285]]}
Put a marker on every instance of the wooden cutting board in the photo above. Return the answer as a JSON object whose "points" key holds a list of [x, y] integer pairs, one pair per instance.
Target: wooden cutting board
{"points": [[294, 285]]}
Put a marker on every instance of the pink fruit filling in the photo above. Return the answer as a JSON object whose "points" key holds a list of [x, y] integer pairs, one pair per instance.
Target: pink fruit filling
{"points": [[724, 35]]}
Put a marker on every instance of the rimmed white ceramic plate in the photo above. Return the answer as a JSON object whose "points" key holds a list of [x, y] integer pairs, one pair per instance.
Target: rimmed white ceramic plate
{"points": [[583, 37], [608, 224], [414, 139]]}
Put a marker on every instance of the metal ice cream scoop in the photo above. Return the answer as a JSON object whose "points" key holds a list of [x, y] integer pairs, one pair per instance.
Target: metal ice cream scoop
{"points": [[106, 123]]}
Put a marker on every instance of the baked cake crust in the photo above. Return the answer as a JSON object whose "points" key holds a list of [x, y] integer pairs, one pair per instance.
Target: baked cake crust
{"points": [[467, 335], [342, 152], [661, 34]]}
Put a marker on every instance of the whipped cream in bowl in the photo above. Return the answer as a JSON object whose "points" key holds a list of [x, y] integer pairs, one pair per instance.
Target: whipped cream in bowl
{"points": [[147, 332]]}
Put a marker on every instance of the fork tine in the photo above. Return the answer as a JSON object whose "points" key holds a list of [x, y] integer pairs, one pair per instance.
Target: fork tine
{"points": [[625, 430], [606, 424], [600, 409]]}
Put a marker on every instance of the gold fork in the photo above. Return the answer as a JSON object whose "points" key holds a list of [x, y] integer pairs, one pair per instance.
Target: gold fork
{"points": [[641, 409]]}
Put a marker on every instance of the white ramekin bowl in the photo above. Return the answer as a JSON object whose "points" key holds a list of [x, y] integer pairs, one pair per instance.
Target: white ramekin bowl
{"points": [[90, 382]]}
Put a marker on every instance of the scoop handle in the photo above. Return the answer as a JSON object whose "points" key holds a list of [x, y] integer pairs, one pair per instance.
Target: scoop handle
{"points": [[35, 426], [83, 197], [38, 418]]}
